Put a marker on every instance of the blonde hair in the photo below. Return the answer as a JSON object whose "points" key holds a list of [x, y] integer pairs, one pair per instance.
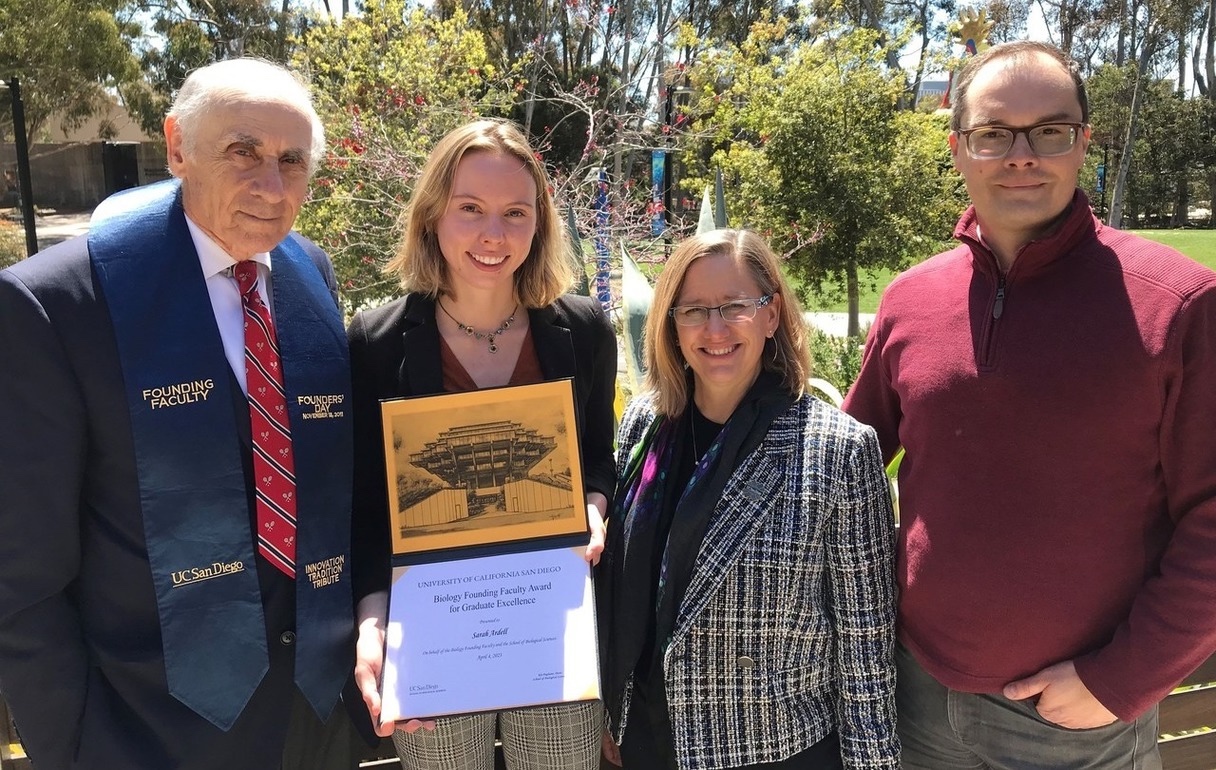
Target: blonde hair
{"points": [[547, 272], [788, 354]]}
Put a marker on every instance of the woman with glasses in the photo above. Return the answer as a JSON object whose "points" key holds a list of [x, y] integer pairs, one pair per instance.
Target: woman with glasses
{"points": [[746, 594]]}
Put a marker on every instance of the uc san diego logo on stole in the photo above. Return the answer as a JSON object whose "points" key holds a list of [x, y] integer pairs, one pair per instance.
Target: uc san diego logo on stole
{"points": [[183, 577]]}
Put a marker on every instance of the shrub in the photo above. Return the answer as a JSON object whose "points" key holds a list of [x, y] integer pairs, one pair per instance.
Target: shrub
{"points": [[836, 359], [12, 244]]}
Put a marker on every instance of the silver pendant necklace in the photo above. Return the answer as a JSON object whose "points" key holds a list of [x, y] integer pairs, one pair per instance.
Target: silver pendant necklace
{"points": [[488, 336]]}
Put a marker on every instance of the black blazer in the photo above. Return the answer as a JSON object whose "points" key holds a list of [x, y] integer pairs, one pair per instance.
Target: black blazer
{"points": [[81, 662], [394, 352]]}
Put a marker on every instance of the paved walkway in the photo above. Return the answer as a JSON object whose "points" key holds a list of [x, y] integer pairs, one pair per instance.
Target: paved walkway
{"points": [[837, 324], [52, 228]]}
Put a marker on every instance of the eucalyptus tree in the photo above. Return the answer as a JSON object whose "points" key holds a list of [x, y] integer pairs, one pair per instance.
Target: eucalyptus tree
{"points": [[67, 55], [186, 34], [820, 158], [388, 81]]}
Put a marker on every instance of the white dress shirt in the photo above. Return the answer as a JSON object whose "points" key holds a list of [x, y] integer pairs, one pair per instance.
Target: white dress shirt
{"points": [[226, 296]]}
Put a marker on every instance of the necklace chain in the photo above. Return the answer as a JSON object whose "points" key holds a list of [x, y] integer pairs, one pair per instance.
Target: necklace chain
{"points": [[488, 336], [692, 428]]}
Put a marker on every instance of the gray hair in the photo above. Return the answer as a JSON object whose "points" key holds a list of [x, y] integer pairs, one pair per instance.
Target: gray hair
{"points": [[247, 78]]}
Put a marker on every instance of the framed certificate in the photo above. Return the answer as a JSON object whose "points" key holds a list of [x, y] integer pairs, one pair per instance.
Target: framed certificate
{"points": [[483, 468], [489, 633], [491, 604]]}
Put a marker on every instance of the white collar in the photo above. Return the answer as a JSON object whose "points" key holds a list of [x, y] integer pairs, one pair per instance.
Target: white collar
{"points": [[212, 257]]}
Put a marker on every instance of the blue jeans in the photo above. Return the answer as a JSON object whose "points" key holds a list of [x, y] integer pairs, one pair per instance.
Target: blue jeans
{"points": [[943, 729]]}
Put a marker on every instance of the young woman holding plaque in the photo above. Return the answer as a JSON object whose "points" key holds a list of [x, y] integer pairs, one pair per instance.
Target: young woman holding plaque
{"points": [[746, 596], [485, 266]]}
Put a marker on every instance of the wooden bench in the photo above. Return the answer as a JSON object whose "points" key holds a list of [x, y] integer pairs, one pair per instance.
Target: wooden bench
{"points": [[1188, 722], [1188, 729], [1187, 716], [12, 756]]}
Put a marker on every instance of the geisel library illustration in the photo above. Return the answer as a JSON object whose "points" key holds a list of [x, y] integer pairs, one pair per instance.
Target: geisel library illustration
{"points": [[487, 466]]}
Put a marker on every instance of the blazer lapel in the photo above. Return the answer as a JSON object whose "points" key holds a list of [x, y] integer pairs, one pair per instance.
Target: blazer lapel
{"points": [[735, 522], [420, 373], [554, 346]]}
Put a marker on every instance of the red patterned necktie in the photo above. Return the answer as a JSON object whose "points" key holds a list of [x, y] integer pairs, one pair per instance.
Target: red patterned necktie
{"points": [[273, 465]]}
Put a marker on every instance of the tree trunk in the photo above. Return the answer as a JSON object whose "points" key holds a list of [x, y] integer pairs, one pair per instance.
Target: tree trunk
{"points": [[1068, 23], [1211, 52], [854, 292], [534, 77], [1182, 196], [1133, 126], [583, 55], [1121, 46], [609, 31], [1182, 61], [1133, 39], [1212, 199], [567, 54], [1210, 70], [618, 179], [923, 23], [1196, 59], [281, 42], [1182, 190]]}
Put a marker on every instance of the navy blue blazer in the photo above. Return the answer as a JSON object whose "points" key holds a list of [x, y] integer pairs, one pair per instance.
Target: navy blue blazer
{"points": [[394, 352], [81, 663]]}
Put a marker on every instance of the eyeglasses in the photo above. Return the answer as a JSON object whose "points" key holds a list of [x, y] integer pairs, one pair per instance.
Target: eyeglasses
{"points": [[735, 311], [1046, 140]]}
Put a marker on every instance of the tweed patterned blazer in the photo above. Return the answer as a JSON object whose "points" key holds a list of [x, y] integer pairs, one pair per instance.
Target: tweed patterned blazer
{"points": [[787, 628]]}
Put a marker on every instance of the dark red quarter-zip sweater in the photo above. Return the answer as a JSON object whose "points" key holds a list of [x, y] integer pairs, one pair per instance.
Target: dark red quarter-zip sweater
{"points": [[1058, 496]]}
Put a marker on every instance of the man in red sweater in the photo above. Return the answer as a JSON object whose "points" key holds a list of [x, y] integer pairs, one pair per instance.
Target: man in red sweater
{"points": [[1053, 382]]}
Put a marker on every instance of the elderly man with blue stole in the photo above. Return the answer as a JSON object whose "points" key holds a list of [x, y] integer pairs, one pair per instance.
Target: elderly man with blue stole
{"points": [[175, 459]]}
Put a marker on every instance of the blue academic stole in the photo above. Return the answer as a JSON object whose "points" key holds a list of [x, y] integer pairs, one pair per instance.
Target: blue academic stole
{"points": [[193, 490]]}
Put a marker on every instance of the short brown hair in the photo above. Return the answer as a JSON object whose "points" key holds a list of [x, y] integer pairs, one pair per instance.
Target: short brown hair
{"points": [[545, 275], [788, 355], [1019, 49]]}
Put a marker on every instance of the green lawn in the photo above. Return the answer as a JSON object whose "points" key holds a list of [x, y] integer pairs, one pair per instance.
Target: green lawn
{"points": [[872, 286], [1199, 245]]}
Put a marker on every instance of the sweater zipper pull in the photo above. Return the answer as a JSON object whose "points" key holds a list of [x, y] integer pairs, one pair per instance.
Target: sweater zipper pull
{"points": [[998, 306]]}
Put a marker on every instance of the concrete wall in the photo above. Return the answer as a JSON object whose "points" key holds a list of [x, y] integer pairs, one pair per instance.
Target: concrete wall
{"points": [[530, 495], [71, 176], [440, 508], [113, 122]]}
